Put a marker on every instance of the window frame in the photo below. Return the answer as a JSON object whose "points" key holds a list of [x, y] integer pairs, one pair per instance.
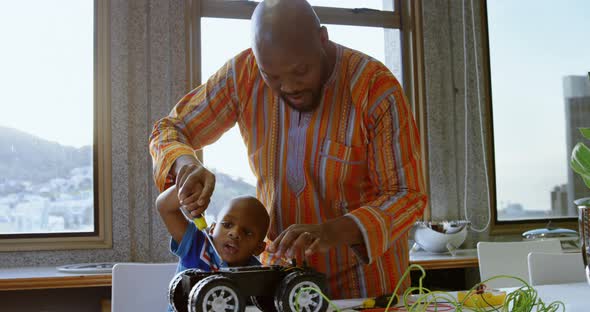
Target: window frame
{"points": [[102, 235], [408, 19], [498, 227]]}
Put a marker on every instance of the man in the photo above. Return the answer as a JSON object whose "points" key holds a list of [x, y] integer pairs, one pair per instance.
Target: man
{"points": [[330, 139]]}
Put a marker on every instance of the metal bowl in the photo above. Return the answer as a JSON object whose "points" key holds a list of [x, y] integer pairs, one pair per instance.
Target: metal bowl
{"points": [[440, 237], [553, 233]]}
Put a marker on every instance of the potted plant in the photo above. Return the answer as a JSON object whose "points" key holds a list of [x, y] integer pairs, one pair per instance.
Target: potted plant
{"points": [[580, 163]]}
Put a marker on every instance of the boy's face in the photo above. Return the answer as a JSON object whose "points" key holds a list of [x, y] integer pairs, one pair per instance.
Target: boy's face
{"points": [[239, 234]]}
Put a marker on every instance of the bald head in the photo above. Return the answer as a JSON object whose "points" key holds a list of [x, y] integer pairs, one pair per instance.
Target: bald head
{"points": [[284, 24], [292, 50]]}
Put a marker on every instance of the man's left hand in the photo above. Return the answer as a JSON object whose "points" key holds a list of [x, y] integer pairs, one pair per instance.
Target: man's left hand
{"points": [[299, 238]]}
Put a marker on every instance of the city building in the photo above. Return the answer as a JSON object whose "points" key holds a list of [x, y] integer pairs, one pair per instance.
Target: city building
{"points": [[576, 93]]}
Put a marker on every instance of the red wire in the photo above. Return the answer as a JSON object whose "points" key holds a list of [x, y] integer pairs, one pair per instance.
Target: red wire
{"points": [[434, 307]]}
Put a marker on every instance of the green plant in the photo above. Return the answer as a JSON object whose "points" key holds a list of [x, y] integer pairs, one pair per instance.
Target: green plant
{"points": [[580, 161]]}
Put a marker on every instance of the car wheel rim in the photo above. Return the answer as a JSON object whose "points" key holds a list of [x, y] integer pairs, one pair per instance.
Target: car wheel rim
{"points": [[220, 299], [309, 299]]}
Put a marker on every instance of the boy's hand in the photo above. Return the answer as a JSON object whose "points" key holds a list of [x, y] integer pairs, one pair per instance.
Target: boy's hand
{"points": [[195, 186]]}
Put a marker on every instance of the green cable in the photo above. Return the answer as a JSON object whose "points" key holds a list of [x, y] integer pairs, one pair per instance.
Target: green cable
{"points": [[523, 299], [399, 283], [319, 291]]}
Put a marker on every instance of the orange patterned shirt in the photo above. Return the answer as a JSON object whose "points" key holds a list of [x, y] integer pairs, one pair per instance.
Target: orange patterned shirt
{"points": [[357, 154]]}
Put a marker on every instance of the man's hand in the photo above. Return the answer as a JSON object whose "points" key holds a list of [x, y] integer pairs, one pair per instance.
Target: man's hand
{"points": [[195, 185], [298, 239]]}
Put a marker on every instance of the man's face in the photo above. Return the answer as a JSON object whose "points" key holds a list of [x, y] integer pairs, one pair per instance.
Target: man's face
{"points": [[296, 73], [238, 235]]}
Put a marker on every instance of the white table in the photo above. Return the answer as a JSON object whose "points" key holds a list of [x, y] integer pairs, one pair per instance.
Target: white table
{"points": [[574, 296]]}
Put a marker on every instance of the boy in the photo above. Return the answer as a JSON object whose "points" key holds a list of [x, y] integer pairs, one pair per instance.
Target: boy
{"points": [[238, 235]]}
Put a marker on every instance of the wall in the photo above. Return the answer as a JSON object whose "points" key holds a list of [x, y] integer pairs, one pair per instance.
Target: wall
{"points": [[54, 300]]}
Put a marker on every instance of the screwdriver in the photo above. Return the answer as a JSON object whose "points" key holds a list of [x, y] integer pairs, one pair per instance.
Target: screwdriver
{"points": [[201, 224], [199, 221]]}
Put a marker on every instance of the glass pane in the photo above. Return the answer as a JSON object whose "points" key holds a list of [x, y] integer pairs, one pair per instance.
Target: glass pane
{"points": [[382, 44], [46, 116], [539, 56], [382, 5], [222, 39]]}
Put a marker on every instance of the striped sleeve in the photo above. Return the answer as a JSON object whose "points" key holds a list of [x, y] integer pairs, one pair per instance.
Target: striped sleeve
{"points": [[198, 119], [394, 166]]}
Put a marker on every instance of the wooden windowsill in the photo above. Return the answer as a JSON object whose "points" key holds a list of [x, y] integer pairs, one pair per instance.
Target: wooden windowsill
{"points": [[49, 278]]}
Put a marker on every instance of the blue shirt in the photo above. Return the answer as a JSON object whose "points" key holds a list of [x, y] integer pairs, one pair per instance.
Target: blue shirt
{"points": [[196, 252]]}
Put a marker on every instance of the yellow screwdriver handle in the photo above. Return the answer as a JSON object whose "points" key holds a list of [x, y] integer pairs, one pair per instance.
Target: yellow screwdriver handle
{"points": [[200, 222]]}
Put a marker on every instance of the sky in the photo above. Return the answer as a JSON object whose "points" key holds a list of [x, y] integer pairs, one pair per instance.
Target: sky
{"points": [[39, 79], [46, 69], [533, 45]]}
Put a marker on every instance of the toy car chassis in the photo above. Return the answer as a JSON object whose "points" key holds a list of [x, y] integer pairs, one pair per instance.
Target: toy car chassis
{"points": [[272, 289]]}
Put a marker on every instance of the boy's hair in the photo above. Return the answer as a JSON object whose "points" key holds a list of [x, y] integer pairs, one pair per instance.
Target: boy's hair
{"points": [[255, 205]]}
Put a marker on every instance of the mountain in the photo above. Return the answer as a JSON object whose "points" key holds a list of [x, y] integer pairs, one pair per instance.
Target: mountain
{"points": [[226, 188], [25, 157], [232, 185]]}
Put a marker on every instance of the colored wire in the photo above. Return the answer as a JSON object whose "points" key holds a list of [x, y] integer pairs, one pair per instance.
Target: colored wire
{"points": [[319, 291], [523, 299]]}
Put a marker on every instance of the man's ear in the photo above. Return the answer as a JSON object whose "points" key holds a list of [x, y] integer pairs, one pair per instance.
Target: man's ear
{"points": [[324, 37], [260, 248], [211, 228]]}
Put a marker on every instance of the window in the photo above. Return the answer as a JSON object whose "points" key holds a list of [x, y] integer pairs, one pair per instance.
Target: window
{"points": [[53, 168], [353, 4], [375, 32], [538, 71]]}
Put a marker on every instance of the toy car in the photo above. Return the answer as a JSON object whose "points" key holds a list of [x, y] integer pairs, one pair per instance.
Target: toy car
{"points": [[272, 288]]}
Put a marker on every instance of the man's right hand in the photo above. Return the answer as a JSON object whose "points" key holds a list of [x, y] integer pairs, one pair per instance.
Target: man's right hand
{"points": [[195, 185]]}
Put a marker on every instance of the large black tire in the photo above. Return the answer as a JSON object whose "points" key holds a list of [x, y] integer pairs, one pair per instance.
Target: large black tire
{"points": [[177, 295], [299, 283], [264, 303], [216, 293]]}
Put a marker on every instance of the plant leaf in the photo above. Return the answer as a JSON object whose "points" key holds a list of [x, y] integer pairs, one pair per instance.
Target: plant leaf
{"points": [[583, 172], [585, 132], [580, 160]]}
